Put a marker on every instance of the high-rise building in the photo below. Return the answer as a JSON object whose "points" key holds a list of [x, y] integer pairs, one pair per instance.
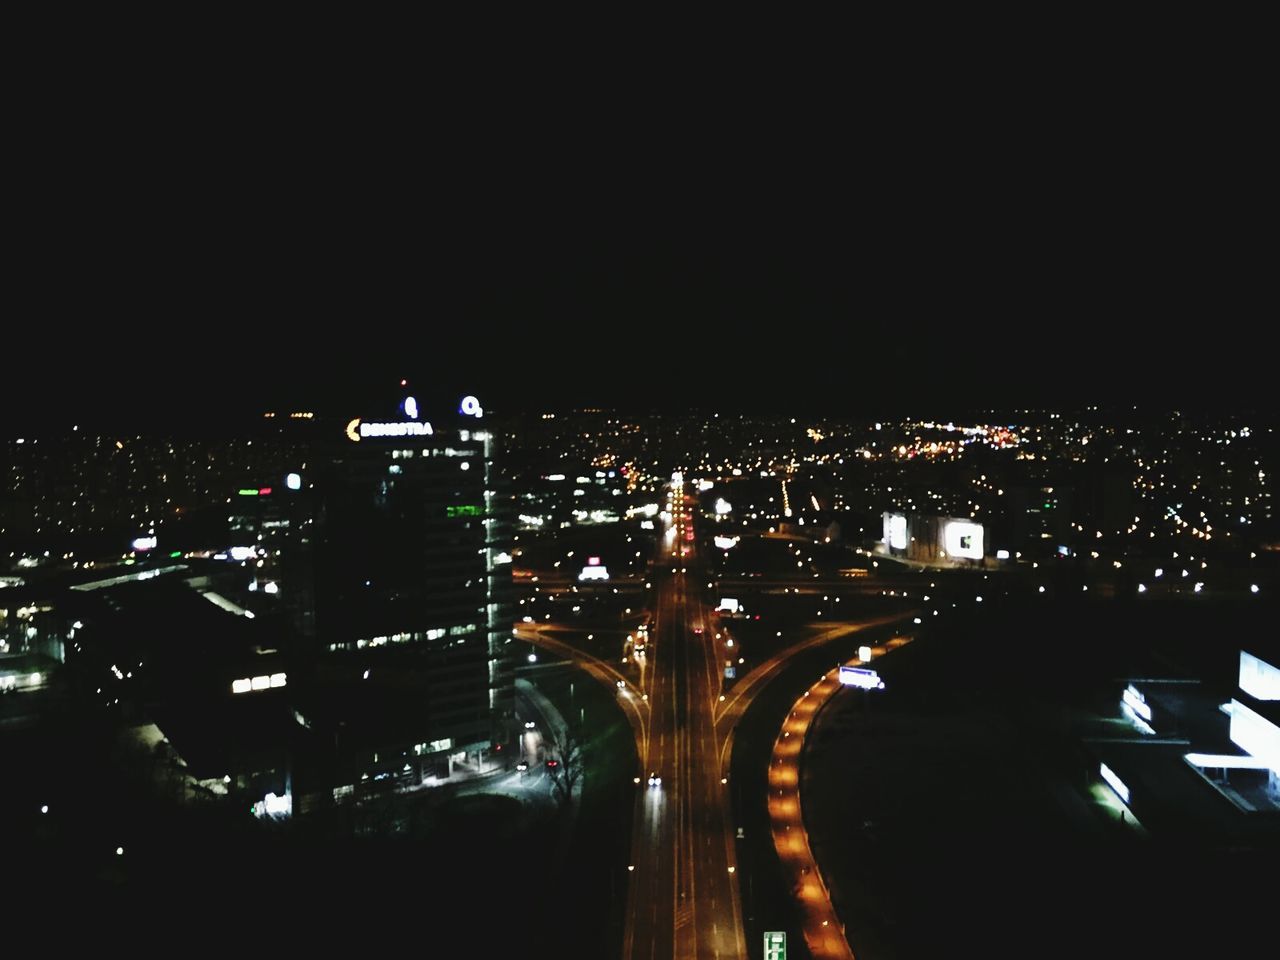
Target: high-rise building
{"points": [[411, 559]]}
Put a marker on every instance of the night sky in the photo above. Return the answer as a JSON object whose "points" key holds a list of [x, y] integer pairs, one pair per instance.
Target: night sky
{"points": [[257, 250]]}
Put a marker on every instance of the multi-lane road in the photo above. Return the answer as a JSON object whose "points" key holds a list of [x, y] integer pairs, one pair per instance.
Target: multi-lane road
{"points": [[683, 898], [683, 894]]}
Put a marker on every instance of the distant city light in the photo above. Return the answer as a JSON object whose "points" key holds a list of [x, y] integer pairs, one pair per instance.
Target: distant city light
{"points": [[293, 481]]}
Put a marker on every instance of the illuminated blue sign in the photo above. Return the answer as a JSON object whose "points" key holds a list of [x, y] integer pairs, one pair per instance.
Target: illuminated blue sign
{"points": [[861, 677]]}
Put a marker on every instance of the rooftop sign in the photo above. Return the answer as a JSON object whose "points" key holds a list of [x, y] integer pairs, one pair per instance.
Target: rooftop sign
{"points": [[357, 429]]}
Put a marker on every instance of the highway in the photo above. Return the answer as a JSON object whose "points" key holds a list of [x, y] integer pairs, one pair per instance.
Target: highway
{"points": [[822, 929], [683, 892], [683, 897]]}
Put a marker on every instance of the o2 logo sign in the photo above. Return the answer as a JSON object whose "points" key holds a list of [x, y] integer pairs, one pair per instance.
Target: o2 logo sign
{"points": [[470, 407]]}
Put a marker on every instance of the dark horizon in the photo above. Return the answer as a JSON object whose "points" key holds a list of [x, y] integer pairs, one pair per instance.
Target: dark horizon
{"points": [[210, 373]]}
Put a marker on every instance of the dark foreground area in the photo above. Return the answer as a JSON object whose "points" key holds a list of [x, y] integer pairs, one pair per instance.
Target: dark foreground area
{"points": [[956, 812], [445, 872]]}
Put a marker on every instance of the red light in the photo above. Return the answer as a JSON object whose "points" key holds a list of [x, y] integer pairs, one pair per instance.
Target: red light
{"points": [[404, 383], [264, 491], [593, 561]]}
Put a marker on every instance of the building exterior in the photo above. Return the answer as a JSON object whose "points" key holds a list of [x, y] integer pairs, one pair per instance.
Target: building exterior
{"points": [[933, 540], [1200, 764], [411, 565]]}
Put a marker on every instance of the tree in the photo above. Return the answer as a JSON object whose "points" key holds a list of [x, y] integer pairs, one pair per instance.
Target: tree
{"points": [[565, 746]]}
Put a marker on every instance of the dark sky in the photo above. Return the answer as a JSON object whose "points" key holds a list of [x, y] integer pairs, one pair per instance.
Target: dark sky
{"points": [[249, 245]]}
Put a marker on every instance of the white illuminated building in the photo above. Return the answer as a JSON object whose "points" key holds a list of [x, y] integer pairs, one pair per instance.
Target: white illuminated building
{"points": [[935, 540], [1255, 728], [1237, 761], [1258, 678]]}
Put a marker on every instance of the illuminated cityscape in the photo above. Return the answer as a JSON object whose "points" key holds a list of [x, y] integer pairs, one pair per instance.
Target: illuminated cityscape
{"points": [[450, 516], [717, 677]]}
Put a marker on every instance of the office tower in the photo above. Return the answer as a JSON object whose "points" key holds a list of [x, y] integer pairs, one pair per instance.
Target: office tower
{"points": [[411, 547]]}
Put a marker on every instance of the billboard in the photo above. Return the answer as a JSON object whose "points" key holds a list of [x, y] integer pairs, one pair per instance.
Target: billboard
{"points": [[963, 538], [895, 531]]}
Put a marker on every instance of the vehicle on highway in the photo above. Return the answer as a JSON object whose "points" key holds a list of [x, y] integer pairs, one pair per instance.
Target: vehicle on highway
{"points": [[654, 779]]}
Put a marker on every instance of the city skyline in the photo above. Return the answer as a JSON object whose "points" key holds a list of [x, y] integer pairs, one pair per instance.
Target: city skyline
{"points": [[669, 685]]}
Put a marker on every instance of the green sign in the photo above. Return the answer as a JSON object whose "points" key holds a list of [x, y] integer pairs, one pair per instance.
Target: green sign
{"points": [[464, 510], [775, 945], [249, 493]]}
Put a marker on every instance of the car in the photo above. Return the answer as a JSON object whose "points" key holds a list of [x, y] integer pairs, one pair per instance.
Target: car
{"points": [[654, 779], [552, 764], [522, 766], [697, 629]]}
